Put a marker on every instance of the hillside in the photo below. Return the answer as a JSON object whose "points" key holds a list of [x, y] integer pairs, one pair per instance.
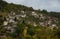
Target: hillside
{"points": [[22, 22]]}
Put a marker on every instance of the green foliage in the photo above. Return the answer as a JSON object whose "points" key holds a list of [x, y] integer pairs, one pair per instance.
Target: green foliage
{"points": [[1, 19], [31, 31], [2, 4]]}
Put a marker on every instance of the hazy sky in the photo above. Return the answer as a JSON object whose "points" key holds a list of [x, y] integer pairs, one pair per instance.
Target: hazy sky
{"points": [[50, 5]]}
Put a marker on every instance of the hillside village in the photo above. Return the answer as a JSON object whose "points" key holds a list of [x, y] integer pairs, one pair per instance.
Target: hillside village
{"points": [[43, 20], [21, 22], [11, 20]]}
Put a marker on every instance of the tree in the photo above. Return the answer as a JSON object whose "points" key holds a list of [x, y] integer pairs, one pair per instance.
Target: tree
{"points": [[19, 30], [31, 31], [44, 11], [3, 4], [1, 19]]}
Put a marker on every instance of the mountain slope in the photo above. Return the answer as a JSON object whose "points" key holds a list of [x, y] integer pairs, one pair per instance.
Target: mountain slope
{"points": [[21, 22]]}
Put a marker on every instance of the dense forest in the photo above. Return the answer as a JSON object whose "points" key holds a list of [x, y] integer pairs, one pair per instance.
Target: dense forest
{"points": [[22, 22]]}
